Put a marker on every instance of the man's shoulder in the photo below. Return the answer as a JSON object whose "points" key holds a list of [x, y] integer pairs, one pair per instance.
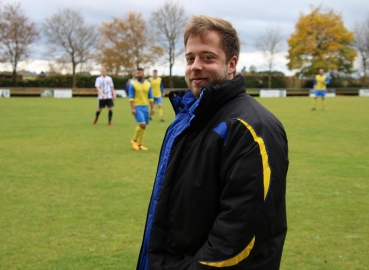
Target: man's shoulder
{"points": [[248, 108]]}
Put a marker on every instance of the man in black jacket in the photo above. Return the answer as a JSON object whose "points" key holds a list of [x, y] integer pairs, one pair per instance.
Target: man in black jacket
{"points": [[218, 199]]}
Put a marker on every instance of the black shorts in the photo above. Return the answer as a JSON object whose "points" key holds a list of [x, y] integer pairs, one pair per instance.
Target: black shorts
{"points": [[105, 103]]}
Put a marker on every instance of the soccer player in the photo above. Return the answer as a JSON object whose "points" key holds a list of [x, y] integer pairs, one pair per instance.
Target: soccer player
{"points": [[158, 92], [320, 88], [106, 94], [140, 96]]}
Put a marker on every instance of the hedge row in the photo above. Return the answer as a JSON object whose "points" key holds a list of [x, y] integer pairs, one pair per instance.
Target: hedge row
{"points": [[60, 81], [65, 81], [334, 83], [252, 81]]}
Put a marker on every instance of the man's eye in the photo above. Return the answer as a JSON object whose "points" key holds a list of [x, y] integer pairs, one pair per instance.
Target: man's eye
{"points": [[189, 59], [208, 57]]}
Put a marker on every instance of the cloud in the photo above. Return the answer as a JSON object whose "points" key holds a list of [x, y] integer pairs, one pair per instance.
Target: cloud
{"points": [[250, 18]]}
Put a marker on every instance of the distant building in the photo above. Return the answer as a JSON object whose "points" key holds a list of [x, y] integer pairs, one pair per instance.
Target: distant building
{"points": [[28, 76]]}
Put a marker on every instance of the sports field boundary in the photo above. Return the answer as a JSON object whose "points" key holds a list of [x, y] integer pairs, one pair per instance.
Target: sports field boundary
{"points": [[91, 92]]}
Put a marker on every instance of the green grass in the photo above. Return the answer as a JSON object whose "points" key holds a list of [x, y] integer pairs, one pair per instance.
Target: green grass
{"points": [[74, 195]]}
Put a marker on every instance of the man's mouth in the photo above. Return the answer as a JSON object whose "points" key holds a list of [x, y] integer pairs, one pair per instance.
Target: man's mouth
{"points": [[197, 80]]}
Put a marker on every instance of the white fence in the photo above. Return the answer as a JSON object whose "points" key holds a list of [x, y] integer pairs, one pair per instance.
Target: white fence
{"points": [[4, 93], [272, 93], [364, 92], [63, 93]]}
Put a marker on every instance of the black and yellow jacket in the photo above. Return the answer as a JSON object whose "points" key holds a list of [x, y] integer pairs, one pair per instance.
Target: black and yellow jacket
{"points": [[218, 200]]}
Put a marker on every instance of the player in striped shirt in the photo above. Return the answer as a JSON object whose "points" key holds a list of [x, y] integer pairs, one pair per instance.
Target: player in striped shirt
{"points": [[106, 94]]}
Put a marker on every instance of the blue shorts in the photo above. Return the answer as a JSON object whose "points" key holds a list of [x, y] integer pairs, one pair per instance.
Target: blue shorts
{"points": [[142, 114], [320, 93], [158, 100]]}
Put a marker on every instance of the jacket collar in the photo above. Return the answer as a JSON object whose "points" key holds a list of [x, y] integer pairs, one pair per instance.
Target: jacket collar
{"points": [[212, 97]]}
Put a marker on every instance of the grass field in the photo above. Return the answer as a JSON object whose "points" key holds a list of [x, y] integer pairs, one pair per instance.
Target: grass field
{"points": [[74, 195]]}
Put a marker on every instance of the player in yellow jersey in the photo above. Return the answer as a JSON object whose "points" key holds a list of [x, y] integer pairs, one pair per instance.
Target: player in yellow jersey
{"points": [[140, 96], [320, 88], [158, 92]]}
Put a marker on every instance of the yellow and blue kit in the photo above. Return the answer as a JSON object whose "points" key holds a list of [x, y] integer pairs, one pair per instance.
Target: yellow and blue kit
{"points": [[158, 91], [157, 87], [140, 93], [320, 84]]}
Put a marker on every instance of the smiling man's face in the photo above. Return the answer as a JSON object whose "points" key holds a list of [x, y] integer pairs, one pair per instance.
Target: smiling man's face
{"points": [[206, 62]]}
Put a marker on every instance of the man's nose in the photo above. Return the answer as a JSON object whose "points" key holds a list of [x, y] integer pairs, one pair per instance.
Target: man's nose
{"points": [[197, 64]]}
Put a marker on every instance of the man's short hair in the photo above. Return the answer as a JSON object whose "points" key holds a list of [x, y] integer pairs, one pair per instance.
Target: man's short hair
{"points": [[155, 70], [140, 68], [201, 25]]}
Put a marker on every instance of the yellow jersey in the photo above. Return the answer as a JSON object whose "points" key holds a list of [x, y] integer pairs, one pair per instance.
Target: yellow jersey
{"points": [[321, 82], [140, 93], [157, 87]]}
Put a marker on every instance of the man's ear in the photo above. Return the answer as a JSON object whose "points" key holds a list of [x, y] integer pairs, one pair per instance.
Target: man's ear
{"points": [[232, 64]]}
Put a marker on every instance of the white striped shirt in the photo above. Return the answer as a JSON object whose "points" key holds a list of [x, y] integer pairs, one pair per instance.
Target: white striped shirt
{"points": [[105, 84]]}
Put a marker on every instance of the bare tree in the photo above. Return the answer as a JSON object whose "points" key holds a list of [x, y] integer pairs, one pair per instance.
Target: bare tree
{"points": [[269, 43], [71, 37], [17, 33], [361, 44], [170, 20]]}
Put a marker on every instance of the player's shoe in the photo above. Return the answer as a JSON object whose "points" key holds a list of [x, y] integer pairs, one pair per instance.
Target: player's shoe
{"points": [[95, 121], [110, 124], [313, 109], [143, 148], [135, 145], [150, 118], [162, 120]]}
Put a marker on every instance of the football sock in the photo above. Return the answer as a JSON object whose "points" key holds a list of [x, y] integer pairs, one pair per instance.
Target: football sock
{"points": [[141, 137], [97, 114], [136, 133], [323, 103], [110, 115], [314, 103], [160, 110]]}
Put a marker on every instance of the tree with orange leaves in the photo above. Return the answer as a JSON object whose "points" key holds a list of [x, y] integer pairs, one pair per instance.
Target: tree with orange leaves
{"points": [[127, 44], [321, 41]]}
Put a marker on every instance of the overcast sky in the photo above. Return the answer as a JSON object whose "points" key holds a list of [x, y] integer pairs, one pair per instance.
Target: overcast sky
{"points": [[250, 18]]}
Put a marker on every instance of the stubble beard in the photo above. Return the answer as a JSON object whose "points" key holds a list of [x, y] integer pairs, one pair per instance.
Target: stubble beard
{"points": [[217, 79]]}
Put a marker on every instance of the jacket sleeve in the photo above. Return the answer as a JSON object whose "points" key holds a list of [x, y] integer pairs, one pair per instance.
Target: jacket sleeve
{"points": [[245, 219]]}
